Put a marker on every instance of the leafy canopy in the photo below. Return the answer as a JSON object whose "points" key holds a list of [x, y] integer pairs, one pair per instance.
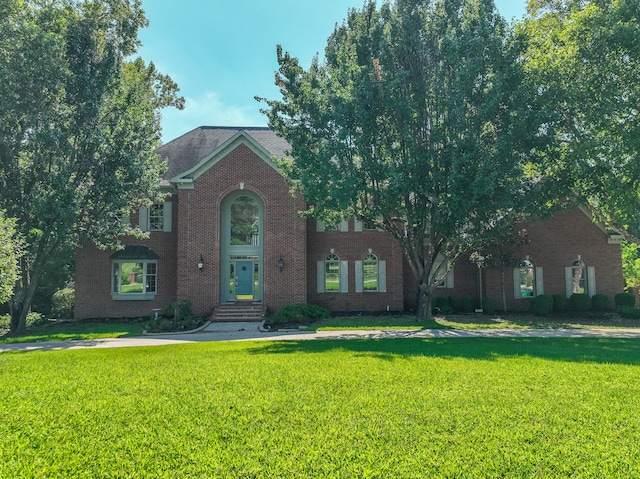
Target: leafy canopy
{"points": [[418, 120], [79, 122], [584, 57]]}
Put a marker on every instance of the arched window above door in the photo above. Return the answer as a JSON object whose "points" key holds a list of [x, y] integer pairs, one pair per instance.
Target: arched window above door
{"points": [[244, 213]]}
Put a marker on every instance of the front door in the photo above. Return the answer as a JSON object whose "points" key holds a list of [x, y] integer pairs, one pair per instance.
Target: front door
{"points": [[244, 279]]}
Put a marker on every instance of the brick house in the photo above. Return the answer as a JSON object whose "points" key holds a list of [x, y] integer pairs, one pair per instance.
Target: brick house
{"points": [[230, 233]]}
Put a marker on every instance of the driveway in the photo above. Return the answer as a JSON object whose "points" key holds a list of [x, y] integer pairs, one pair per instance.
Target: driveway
{"points": [[251, 332]]}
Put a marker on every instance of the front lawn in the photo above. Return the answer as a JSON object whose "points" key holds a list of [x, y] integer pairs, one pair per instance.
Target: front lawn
{"points": [[66, 331], [407, 408]]}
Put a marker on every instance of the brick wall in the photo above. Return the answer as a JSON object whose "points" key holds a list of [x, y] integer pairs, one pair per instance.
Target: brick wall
{"points": [[200, 229], [93, 277], [351, 246]]}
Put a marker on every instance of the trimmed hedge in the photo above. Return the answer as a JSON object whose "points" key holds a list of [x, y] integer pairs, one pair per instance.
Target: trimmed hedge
{"points": [[599, 302], [625, 300], [580, 302], [298, 314], [559, 302], [542, 305], [488, 306], [629, 312]]}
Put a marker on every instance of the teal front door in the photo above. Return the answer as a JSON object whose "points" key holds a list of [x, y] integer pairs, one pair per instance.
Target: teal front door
{"points": [[244, 279]]}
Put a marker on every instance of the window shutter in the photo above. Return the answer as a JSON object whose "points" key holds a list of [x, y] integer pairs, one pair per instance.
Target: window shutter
{"points": [[448, 281], [344, 276], [359, 277], [516, 283], [320, 276], [568, 279], [319, 225], [126, 220], [143, 220], [591, 280], [539, 281], [344, 226], [166, 216], [357, 225], [382, 276]]}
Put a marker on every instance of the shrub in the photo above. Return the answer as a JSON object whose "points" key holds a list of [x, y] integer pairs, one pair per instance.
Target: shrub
{"points": [[160, 325], [599, 302], [542, 305], [62, 303], [184, 310], [580, 302], [467, 304], [559, 302], [298, 314], [625, 300], [442, 305], [629, 312], [455, 304], [488, 306]]}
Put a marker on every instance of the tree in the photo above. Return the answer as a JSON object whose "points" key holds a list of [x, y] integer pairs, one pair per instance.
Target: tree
{"points": [[10, 246], [417, 121], [584, 57], [79, 122]]}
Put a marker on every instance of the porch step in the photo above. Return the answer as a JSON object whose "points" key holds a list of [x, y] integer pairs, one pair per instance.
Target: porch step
{"points": [[239, 312]]}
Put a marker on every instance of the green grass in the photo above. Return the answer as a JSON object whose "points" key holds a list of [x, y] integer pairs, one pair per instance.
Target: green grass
{"points": [[473, 321], [467, 408], [75, 331]]}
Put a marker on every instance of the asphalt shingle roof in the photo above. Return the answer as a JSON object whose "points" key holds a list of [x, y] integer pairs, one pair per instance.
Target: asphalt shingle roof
{"points": [[188, 150]]}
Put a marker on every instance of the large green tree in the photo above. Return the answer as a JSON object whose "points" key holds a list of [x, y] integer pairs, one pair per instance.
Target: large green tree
{"points": [[584, 57], [79, 122], [418, 121], [10, 246]]}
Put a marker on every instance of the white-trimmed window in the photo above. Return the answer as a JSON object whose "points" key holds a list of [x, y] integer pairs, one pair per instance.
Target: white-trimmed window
{"points": [[364, 225], [321, 226], [527, 280], [134, 273], [135, 279], [156, 218], [333, 276], [444, 272], [371, 274], [580, 278]]}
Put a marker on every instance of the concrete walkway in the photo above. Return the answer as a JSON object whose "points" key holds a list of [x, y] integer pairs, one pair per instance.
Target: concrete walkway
{"points": [[251, 332]]}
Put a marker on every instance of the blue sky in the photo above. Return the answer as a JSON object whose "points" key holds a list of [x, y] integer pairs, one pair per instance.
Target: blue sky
{"points": [[223, 53]]}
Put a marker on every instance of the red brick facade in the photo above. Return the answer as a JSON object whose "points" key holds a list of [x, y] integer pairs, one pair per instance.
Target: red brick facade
{"points": [[207, 170]]}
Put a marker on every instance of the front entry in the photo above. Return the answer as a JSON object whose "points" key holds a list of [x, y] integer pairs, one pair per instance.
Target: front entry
{"points": [[244, 279], [241, 248]]}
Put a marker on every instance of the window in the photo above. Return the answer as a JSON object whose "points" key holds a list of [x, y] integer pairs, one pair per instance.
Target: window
{"points": [[371, 274], [332, 275], [245, 221], [156, 218], [135, 278], [580, 278], [134, 273], [321, 226], [364, 225], [527, 280], [444, 278], [526, 283]]}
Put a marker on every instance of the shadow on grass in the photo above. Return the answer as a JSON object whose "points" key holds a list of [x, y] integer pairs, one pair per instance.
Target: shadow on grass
{"points": [[583, 350]]}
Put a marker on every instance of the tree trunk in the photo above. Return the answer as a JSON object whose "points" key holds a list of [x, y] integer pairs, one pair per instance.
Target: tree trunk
{"points": [[23, 294], [423, 313], [504, 293]]}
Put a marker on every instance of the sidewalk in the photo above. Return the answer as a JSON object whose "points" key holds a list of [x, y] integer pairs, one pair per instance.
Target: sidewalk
{"points": [[251, 332]]}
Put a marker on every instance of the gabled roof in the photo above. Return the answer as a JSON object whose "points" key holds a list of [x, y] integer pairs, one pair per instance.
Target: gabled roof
{"points": [[188, 154]]}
